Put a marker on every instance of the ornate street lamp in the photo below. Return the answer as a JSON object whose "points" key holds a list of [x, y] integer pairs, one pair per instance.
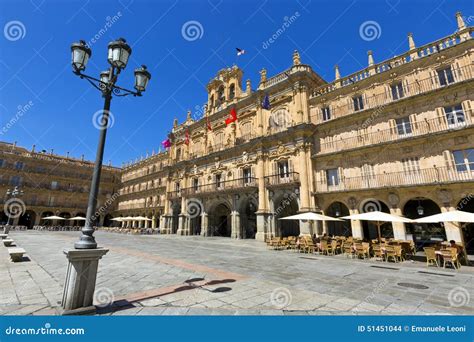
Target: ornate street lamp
{"points": [[118, 54], [84, 258]]}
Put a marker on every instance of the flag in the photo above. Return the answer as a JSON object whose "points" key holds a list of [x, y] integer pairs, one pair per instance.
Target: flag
{"points": [[166, 143], [209, 127], [266, 102], [186, 137], [232, 118], [240, 52]]}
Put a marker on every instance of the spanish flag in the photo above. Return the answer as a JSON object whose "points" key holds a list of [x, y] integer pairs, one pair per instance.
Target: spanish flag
{"points": [[232, 117]]}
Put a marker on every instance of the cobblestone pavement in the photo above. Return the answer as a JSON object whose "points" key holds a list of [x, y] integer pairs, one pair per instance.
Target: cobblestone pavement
{"points": [[177, 275]]}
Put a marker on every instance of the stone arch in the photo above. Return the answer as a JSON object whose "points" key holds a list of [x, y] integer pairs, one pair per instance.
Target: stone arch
{"points": [[220, 219], [248, 219], [27, 219], [467, 204], [286, 204], [418, 207], [370, 228], [46, 222], [338, 228]]}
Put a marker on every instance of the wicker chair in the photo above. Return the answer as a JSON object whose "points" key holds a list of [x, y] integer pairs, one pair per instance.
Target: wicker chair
{"points": [[450, 255], [431, 256]]}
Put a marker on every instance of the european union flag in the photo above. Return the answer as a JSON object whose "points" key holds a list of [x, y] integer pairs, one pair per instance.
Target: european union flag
{"points": [[266, 102]]}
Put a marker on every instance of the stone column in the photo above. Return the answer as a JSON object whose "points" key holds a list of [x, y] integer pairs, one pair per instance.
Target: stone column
{"points": [[235, 221], [399, 230], [263, 213], [204, 224], [153, 223], [356, 225], [304, 188], [81, 277], [453, 231], [183, 218], [37, 220]]}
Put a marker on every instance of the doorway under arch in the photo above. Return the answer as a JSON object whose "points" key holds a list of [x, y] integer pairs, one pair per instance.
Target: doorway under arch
{"points": [[338, 228], [467, 204], [175, 220], [286, 206], [27, 219], [220, 221], [423, 233], [248, 218], [370, 228]]}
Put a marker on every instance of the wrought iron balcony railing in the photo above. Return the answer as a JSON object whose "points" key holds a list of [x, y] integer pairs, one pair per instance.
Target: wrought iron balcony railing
{"points": [[282, 179], [435, 175], [228, 185]]}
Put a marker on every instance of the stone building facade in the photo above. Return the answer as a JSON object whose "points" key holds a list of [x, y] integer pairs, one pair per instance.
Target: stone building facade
{"points": [[395, 136], [52, 185]]}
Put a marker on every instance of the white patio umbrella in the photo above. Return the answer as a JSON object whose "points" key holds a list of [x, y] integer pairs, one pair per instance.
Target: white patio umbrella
{"points": [[379, 218], [456, 216], [53, 217], [310, 217], [119, 219], [77, 218], [141, 218]]}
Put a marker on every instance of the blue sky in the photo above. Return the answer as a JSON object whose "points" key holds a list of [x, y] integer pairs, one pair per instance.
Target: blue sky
{"points": [[35, 60]]}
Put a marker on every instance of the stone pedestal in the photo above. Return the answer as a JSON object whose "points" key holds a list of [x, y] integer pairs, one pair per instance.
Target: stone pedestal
{"points": [[264, 226], [81, 276]]}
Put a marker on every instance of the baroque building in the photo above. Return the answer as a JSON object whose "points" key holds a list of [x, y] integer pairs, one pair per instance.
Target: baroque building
{"points": [[52, 185], [395, 136]]}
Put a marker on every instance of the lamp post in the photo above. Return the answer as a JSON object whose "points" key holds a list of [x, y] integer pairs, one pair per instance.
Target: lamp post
{"points": [[16, 192], [118, 53], [84, 258]]}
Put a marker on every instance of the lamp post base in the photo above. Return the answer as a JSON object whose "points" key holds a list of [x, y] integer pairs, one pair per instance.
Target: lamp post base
{"points": [[81, 278]]}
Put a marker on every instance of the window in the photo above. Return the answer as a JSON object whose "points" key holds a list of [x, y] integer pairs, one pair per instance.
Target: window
{"points": [[455, 115], [358, 103], [445, 76], [19, 165], [326, 113], [178, 154], [51, 201], [218, 181], [220, 95], [195, 184], [403, 126], [411, 165], [54, 185], [232, 91], [397, 91], [15, 181], [332, 176], [247, 175], [464, 160], [177, 187], [2, 162], [284, 169]]}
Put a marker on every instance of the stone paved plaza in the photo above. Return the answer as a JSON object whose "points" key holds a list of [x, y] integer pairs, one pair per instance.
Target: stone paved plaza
{"points": [[176, 275]]}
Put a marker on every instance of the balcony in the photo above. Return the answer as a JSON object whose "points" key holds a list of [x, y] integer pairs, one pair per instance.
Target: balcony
{"points": [[245, 138], [378, 102], [240, 184], [387, 65], [431, 176], [282, 179], [418, 129]]}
